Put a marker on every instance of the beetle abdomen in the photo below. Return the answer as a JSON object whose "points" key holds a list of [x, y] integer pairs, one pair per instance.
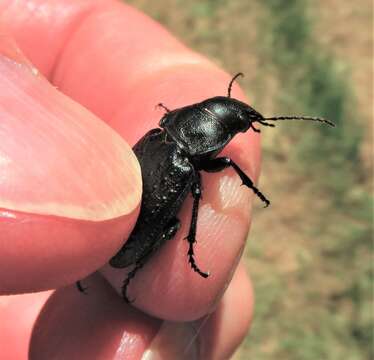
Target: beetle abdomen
{"points": [[167, 176]]}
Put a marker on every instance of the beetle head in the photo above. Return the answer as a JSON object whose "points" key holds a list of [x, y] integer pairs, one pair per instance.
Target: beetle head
{"points": [[244, 116]]}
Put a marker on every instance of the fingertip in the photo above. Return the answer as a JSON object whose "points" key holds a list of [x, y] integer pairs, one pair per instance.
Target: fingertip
{"points": [[216, 335], [70, 186]]}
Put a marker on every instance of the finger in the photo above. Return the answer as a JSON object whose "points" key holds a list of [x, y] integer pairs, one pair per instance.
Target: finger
{"points": [[126, 74], [216, 336], [98, 326], [229, 324], [58, 221], [17, 317], [108, 328]]}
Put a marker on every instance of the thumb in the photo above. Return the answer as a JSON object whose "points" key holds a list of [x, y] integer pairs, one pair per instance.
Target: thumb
{"points": [[69, 185]]}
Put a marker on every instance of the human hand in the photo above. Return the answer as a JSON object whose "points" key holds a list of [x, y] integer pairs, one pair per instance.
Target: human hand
{"points": [[60, 219]]}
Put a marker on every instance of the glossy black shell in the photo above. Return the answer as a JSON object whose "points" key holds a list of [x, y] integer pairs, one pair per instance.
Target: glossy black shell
{"points": [[170, 159], [205, 128], [167, 176]]}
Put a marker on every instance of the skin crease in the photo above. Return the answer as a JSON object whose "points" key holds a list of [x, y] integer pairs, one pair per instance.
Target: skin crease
{"points": [[123, 89]]}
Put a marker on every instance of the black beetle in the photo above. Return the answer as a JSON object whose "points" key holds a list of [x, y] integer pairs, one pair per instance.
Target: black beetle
{"points": [[171, 158]]}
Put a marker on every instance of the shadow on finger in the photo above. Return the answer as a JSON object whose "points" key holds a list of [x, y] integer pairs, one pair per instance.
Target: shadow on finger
{"points": [[96, 325]]}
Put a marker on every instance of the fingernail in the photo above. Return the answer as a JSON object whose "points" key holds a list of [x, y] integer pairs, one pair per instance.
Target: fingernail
{"points": [[174, 341], [56, 158]]}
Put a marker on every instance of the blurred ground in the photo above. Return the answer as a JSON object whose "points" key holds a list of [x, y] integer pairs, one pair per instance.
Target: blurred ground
{"points": [[310, 255]]}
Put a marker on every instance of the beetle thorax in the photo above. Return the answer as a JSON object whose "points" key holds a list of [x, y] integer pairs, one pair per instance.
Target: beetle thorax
{"points": [[205, 128]]}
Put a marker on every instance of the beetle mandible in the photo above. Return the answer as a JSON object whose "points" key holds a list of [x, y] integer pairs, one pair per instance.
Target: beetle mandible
{"points": [[171, 158]]}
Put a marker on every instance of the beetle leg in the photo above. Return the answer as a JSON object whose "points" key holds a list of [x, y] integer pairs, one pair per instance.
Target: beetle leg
{"points": [[161, 105], [80, 287], [218, 164], [168, 234], [191, 237], [130, 275]]}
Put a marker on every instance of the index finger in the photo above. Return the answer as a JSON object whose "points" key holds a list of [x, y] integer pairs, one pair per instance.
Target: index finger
{"points": [[120, 64]]}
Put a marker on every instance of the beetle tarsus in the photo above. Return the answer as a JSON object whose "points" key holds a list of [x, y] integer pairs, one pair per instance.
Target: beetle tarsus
{"points": [[191, 238], [249, 183], [80, 287], [192, 261], [126, 283]]}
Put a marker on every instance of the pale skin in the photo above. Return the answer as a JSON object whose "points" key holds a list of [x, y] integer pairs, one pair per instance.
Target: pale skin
{"points": [[118, 64]]}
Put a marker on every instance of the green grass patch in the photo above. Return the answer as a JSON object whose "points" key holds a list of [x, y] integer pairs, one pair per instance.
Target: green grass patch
{"points": [[311, 82]]}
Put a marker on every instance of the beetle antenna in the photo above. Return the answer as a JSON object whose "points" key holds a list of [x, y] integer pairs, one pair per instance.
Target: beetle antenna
{"points": [[231, 82], [276, 118]]}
